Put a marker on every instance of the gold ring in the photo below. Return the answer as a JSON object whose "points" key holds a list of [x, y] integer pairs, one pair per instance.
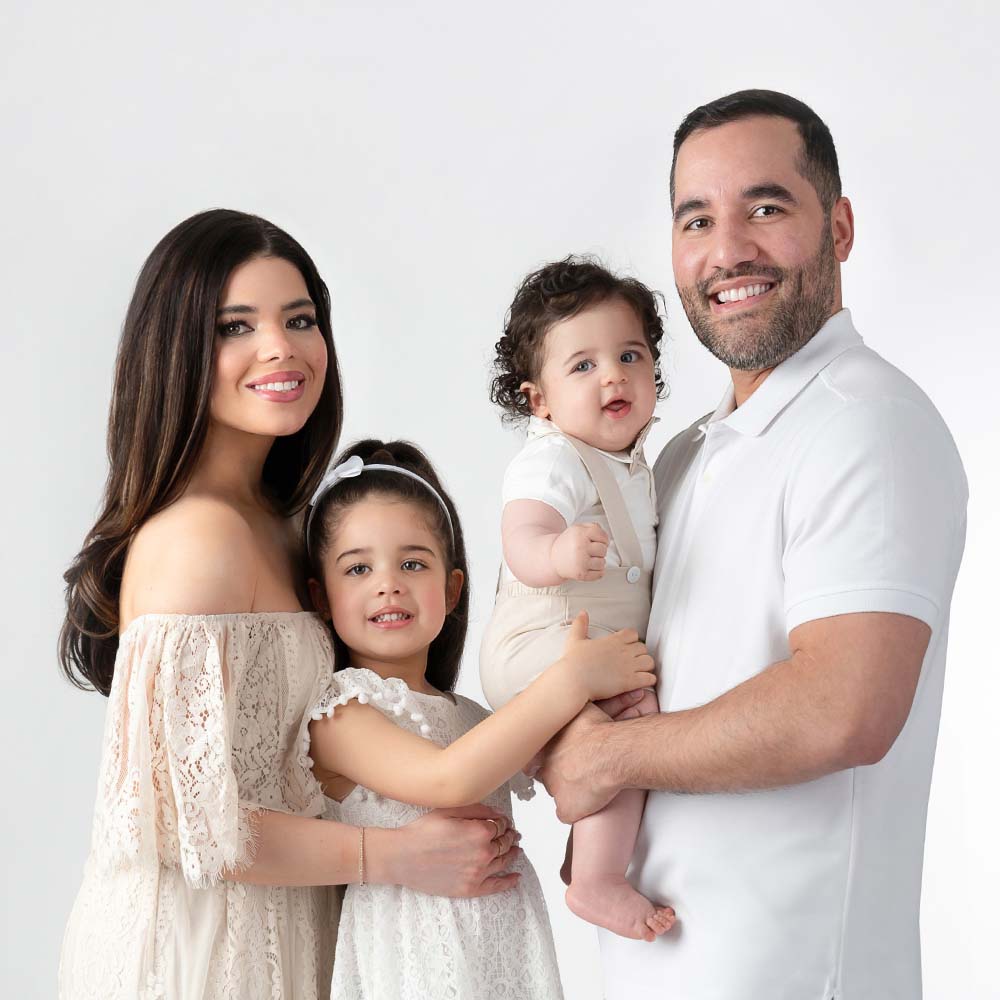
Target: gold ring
{"points": [[496, 826]]}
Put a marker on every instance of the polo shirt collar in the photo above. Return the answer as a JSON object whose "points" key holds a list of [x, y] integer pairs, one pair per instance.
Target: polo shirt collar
{"points": [[537, 427], [834, 337]]}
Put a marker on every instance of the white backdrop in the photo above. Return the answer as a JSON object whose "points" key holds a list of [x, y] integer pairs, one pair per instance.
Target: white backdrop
{"points": [[428, 156]]}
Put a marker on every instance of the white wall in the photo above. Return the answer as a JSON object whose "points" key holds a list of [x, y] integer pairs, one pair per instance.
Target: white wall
{"points": [[427, 156]]}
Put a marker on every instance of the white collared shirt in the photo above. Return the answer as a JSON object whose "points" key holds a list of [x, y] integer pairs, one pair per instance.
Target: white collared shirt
{"points": [[549, 469], [835, 488]]}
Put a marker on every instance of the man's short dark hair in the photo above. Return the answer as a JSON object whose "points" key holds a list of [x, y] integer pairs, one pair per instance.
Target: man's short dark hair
{"points": [[818, 161]]}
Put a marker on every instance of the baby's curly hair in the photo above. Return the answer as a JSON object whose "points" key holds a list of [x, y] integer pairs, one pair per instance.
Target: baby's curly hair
{"points": [[556, 292]]}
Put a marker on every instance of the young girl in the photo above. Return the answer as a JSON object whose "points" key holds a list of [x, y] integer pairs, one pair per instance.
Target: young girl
{"points": [[390, 739], [579, 358]]}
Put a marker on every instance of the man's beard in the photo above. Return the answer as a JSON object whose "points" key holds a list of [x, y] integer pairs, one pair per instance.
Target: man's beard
{"points": [[749, 343]]}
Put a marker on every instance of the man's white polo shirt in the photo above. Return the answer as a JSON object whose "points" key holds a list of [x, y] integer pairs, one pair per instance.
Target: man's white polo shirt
{"points": [[835, 488]]}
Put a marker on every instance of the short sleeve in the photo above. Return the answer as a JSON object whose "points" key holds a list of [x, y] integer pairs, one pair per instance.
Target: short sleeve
{"points": [[549, 469], [388, 695], [874, 515], [169, 794]]}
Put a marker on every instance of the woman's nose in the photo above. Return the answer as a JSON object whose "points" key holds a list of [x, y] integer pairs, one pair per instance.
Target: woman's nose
{"points": [[275, 343]]}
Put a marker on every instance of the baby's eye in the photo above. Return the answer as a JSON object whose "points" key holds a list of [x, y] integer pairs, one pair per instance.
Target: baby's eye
{"points": [[359, 569], [583, 366], [233, 328], [413, 565], [630, 357], [303, 322]]}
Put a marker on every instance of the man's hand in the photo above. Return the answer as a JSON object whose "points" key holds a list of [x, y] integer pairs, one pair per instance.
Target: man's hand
{"points": [[573, 769]]}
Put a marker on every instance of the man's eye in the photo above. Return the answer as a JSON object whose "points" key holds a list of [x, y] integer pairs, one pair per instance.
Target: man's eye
{"points": [[413, 564], [583, 366], [696, 225], [765, 211], [303, 322], [233, 328]]}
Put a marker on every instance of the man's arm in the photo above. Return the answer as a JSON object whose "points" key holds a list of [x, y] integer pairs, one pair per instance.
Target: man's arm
{"points": [[839, 701]]}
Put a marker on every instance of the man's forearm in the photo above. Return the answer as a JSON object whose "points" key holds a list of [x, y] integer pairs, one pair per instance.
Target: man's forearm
{"points": [[781, 727]]}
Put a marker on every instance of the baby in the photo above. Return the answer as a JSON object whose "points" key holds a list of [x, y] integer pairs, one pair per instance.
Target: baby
{"points": [[579, 358]]}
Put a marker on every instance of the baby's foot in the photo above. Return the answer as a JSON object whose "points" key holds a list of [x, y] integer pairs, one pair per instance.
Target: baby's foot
{"points": [[613, 904]]}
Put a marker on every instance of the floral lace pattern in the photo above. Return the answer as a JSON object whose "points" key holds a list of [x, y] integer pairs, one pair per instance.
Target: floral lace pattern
{"points": [[396, 942], [205, 726]]}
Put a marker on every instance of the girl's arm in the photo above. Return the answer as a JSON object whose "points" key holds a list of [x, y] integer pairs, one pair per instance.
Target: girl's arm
{"points": [[359, 743], [444, 853], [542, 552]]}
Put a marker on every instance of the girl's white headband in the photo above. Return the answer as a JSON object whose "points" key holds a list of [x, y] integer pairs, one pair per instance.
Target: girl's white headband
{"points": [[353, 467]]}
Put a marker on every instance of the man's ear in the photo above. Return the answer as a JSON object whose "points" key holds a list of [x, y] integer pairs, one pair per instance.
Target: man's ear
{"points": [[536, 400], [456, 580], [317, 595], [842, 227]]}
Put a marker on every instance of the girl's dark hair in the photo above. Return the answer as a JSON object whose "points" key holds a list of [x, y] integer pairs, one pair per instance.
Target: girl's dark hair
{"points": [[445, 654], [160, 413], [817, 161], [556, 292]]}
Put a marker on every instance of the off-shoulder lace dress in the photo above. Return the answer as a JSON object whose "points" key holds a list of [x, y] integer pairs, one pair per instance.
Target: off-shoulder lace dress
{"points": [[402, 944], [206, 724]]}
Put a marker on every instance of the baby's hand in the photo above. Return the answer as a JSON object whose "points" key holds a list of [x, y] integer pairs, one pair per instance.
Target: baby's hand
{"points": [[610, 665], [578, 553]]}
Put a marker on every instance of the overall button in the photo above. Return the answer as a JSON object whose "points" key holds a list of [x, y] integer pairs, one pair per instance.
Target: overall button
{"points": [[633, 574]]}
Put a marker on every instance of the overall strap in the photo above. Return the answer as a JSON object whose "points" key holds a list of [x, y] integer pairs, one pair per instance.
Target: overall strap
{"points": [[622, 529]]}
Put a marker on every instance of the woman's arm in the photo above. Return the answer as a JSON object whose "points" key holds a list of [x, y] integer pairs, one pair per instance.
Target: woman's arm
{"points": [[542, 552], [359, 743], [444, 853]]}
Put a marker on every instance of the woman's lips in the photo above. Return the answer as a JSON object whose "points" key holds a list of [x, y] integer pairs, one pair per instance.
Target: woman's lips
{"points": [[279, 387]]}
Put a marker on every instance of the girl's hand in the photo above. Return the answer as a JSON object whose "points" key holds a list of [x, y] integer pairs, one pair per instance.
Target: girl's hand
{"points": [[607, 666], [578, 553], [463, 852]]}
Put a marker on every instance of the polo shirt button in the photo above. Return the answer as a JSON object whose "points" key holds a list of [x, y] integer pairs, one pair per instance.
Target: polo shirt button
{"points": [[633, 574]]}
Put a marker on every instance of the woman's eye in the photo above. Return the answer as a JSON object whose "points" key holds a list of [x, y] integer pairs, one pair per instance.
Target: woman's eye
{"points": [[413, 564], [233, 328], [630, 357], [303, 322], [358, 570], [583, 366]]}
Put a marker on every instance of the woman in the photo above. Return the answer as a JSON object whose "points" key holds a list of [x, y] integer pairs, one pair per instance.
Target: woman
{"points": [[208, 868]]}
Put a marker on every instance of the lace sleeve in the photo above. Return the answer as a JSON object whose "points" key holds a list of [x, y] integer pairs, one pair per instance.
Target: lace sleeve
{"points": [[168, 791]]}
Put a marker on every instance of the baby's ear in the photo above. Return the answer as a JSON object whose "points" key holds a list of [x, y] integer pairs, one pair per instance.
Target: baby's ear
{"points": [[456, 580], [317, 594], [536, 401]]}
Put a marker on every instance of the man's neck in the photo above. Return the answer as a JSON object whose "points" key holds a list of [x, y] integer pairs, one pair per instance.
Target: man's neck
{"points": [[745, 384]]}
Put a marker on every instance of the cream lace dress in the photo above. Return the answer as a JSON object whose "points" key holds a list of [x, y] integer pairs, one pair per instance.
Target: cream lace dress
{"points": [[206, 724], [399, 944]]}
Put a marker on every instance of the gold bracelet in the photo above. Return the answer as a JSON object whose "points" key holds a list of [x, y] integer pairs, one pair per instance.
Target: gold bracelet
{"points": [[361, 858]]}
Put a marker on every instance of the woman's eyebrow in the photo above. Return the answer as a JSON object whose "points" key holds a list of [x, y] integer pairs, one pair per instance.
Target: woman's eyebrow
{"points": [[295, 304]]}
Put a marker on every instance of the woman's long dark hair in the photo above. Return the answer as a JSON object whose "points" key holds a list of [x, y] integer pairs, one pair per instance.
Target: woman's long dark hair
{"points": [[160, 411], [445, 654]]}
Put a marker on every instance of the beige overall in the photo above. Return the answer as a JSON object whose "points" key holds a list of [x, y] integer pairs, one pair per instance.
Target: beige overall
{"points": [[527, 632]]}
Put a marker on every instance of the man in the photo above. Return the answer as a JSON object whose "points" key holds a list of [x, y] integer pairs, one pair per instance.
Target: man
{"points": [[810, 533]]}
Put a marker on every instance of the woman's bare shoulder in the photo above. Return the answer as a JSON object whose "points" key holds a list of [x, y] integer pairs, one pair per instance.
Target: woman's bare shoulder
{"points": [[197, 556]]}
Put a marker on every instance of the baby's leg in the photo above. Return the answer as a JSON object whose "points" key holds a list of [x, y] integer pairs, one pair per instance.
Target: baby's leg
{"points": [[602, 848]]}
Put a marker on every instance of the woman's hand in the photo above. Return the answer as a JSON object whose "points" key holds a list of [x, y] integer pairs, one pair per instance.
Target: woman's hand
{"points": [[607, 666], [466, 851]]}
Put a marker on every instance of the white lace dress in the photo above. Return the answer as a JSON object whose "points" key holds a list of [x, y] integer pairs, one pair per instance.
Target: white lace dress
{"points": [[206, 724], [399, 944]]}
